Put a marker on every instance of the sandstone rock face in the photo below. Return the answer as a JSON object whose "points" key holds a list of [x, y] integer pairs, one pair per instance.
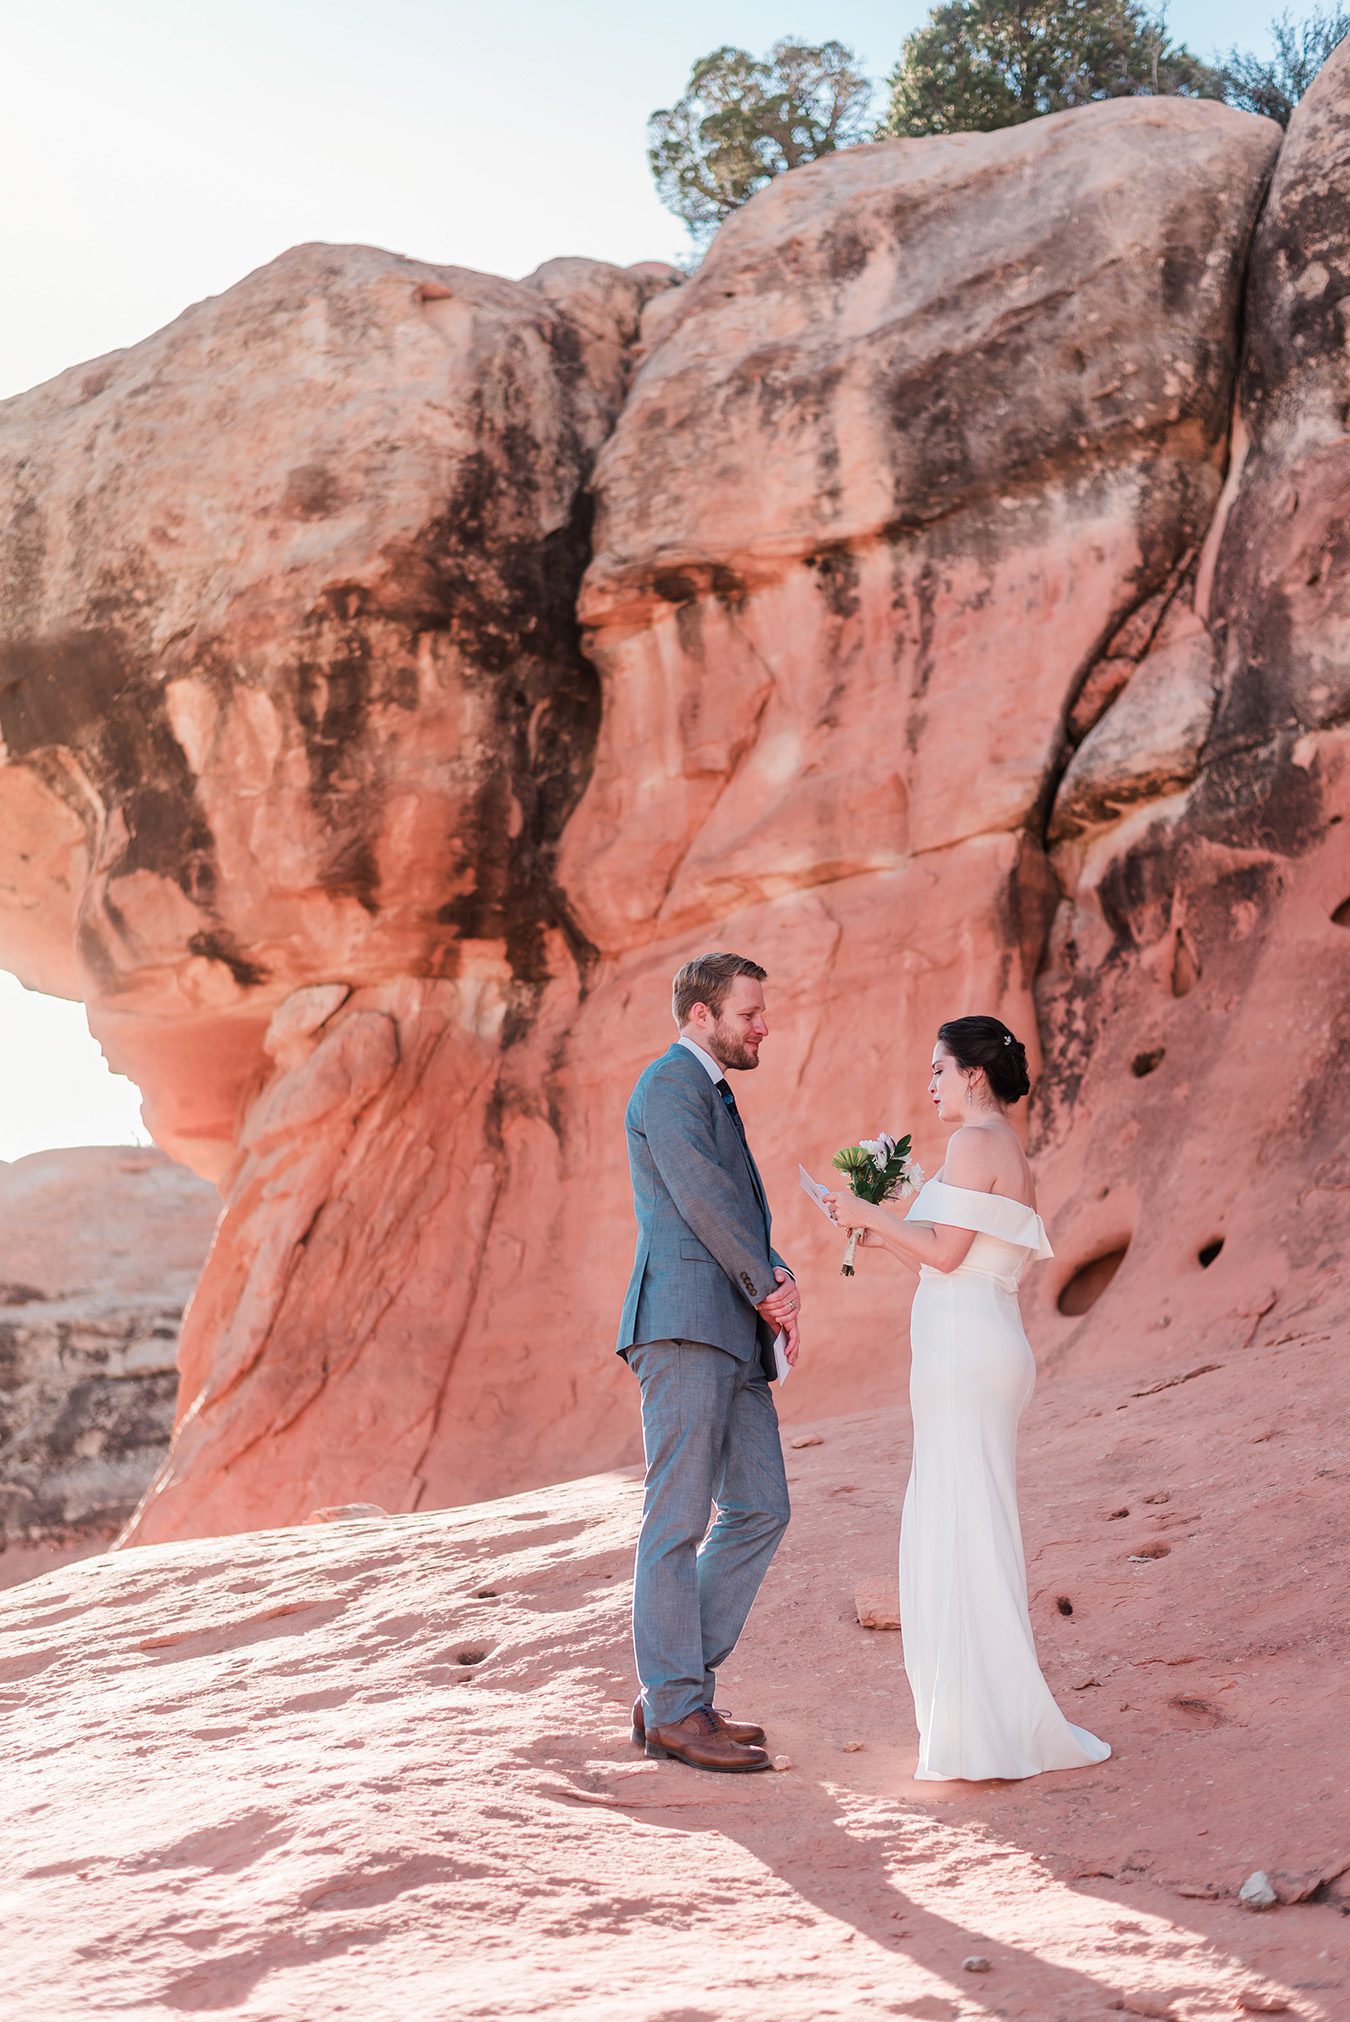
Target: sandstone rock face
{"points": [[292, 690], [943, 646], [1148, 742], [1193, 1004], [933, 420], [99, 1253], [304, 728]]}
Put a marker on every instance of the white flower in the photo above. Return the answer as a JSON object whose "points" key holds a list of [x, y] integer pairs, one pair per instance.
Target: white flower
{"points": [[914, 1175], [878, 1149]]}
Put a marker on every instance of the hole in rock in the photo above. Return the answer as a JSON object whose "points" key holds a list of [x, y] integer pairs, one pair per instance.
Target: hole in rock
{"points": [[1089, 1281], [1154, 1549], [1144, 1063], [1341, 916], [1116, 1514], [485, 1593], [1205, 1257], [471, 1656], [1185, 967], [1064, 1604]]}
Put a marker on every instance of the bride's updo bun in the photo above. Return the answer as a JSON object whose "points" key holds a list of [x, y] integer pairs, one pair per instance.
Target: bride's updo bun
{"points": [[987, 1043]]}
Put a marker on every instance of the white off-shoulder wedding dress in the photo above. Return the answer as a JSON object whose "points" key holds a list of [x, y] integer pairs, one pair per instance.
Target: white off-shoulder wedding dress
{"points": [[982, 1706]]}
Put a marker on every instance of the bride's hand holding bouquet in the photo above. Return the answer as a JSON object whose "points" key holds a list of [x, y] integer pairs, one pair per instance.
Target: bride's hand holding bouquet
{"points": [[860, 1218], [877, 1169]]}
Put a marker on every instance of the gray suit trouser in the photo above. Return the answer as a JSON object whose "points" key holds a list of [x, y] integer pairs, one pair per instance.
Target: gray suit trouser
{"points": [[710, 1436]]}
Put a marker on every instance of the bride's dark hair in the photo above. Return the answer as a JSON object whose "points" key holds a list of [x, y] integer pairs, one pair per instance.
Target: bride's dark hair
{"points": [[987, 1043]]}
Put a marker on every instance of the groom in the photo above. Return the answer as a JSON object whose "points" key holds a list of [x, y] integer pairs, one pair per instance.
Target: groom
{"points": [[707, 1296]]}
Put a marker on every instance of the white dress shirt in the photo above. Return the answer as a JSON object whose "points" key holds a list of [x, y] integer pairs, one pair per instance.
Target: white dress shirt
{"points": [[714, 1072]]}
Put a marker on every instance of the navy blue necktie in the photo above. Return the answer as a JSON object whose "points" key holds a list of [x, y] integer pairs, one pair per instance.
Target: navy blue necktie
{"points": [[724, 1090]]}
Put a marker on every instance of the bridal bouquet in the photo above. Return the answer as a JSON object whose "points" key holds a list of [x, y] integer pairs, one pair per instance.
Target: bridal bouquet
{"points": [[876, 1169]]}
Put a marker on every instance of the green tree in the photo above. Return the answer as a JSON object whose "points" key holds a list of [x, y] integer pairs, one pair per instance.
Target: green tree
{"points": [[980, 64], [1274, 85], [743, 120]]}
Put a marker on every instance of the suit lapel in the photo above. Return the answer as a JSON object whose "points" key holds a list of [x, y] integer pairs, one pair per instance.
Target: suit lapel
{"points": [[760, 1194], [756, 1182], [722, 1121]]}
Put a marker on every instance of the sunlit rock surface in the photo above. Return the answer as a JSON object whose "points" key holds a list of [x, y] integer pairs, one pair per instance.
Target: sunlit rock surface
{"points": [[382, 1767]]}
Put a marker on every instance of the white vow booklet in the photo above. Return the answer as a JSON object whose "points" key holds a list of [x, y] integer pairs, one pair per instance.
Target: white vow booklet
{"points": [[815, 1189], [780, 1361]]}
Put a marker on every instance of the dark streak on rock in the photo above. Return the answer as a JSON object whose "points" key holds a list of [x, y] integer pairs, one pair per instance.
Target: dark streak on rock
{"points": [[836, 572], [90, 692], [217, 946], [508, 602]]}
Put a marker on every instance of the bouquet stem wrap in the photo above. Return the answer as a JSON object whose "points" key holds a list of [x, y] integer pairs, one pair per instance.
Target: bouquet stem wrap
{"points": [[850, 1252]]}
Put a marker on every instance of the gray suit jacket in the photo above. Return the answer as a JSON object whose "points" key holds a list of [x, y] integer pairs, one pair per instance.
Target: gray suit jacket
{"points": [[704, 1259]]}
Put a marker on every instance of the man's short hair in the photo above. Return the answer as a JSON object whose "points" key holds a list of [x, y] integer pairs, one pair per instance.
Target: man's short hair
{"points": [[707, 980]]}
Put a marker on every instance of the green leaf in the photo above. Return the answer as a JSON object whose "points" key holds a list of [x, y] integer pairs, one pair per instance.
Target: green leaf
{"points": [[976, 65], [744, 119], [866, 1181]]}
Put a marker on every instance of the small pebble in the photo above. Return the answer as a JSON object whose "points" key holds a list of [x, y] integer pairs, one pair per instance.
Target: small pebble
{"points": [[808, 1439], [976, 1963], [782, 1762], [854, 1747], [1256, 1892]]}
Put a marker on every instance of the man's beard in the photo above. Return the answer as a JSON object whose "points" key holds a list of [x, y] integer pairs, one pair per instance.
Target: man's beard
{"points": [[730, 1050]]}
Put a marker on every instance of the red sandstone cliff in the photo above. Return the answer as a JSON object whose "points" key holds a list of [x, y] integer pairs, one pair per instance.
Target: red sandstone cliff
{"points": [[962, 629]]}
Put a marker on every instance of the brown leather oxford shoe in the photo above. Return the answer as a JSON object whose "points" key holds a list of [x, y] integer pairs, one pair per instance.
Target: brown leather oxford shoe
{"points": [[701, 1741], [744, 1731]]}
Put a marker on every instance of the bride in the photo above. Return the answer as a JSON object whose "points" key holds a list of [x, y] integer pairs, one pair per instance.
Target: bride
{"points": [[982, 1706]]}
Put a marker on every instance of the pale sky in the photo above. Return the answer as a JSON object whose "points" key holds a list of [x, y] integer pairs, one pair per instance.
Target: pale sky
{"points": [[153, 151], [55, 1087]]}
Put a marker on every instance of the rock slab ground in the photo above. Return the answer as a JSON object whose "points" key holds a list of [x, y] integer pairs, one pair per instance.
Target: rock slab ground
{"points": [[378, 1768]]}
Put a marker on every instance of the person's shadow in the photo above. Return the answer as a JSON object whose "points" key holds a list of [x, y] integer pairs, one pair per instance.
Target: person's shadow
{"points": [[853, 1871], [853, 1835]]}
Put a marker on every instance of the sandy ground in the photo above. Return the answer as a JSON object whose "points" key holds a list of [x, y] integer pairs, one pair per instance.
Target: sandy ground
{"points": [[381, 1768]]}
